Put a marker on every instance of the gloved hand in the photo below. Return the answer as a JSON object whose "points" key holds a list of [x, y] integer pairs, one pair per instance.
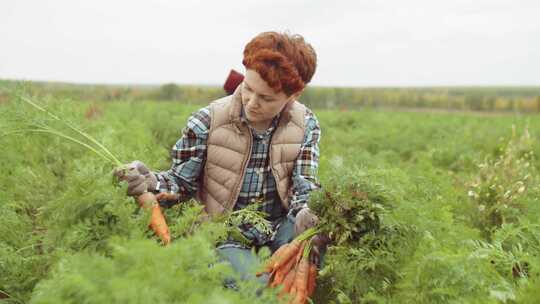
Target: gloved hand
{"points": [[306, 219], [138, 177]]}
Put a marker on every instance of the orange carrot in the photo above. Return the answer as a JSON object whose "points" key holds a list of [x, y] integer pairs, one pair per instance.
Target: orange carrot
{"points": [[287, 254], [312, 280], [281, 257], [157, 220], [269, 265], [287, 267], [287, 283], [159, 225], [287, 251], [293, 291], [301, 280], [281, 272]]}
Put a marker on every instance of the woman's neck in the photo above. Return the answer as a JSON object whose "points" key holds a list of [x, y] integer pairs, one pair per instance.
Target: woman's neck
{"points": [[261, 126]]}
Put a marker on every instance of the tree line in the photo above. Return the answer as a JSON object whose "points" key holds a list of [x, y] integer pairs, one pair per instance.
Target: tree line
{"points": [[515, 99]]}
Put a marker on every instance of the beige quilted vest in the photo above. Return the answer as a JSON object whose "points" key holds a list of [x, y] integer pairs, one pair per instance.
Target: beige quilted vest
{"points": [[229, 149]]}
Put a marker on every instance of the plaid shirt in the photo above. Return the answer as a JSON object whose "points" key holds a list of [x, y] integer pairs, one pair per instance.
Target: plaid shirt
{"points": [[189, 153]]}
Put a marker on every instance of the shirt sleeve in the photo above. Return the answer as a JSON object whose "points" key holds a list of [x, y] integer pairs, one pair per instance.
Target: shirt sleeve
{"points": [[188, 156], [304, 175]]}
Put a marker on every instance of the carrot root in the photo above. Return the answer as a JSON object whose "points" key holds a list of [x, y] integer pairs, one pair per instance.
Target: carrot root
{"points": [[288, 282], [157, 221], [290, 252], [312, 280], [301, 280]]}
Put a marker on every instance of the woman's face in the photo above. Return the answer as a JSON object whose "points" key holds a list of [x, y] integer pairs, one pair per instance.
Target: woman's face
{"points": [[261, 103]]}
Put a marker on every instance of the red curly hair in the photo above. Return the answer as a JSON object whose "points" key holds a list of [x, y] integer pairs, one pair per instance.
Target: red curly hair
{"points": [[286, 62]]}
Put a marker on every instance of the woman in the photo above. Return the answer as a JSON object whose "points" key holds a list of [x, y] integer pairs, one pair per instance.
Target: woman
{"points": [[257, 145]]}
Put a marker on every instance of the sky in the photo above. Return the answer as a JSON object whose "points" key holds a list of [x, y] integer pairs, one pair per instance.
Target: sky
{"points": [[358, 43]]}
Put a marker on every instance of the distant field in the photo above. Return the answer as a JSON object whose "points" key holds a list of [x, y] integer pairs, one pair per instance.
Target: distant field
{"points": [[460, 193], [525, 99]]}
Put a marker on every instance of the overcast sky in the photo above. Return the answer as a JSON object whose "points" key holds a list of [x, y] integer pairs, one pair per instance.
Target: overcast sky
{"points": [[359, 43]]}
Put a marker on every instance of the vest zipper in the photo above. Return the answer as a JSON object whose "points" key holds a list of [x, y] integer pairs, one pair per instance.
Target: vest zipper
{"points": [[283, 203], [244, 167]]}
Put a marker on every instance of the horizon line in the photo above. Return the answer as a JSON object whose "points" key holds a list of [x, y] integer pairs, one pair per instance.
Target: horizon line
{"points": [[150, 84]]}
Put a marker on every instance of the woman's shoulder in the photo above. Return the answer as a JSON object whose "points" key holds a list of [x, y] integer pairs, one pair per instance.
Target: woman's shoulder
{"points": [[310, 119], [199, 121]]}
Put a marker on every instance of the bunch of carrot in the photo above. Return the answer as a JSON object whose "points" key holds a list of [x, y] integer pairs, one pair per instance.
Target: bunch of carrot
{"points": [[291, 268]]}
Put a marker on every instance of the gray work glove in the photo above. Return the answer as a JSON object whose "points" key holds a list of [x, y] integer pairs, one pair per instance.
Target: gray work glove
{"points": [[305, 219], [138, 177]]}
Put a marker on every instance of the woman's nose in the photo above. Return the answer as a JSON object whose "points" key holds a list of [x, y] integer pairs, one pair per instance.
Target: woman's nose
{"points": [[253, 101]]}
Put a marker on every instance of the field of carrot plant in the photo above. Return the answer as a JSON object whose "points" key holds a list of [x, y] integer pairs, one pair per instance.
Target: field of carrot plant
{"points": [[427, 208]]}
